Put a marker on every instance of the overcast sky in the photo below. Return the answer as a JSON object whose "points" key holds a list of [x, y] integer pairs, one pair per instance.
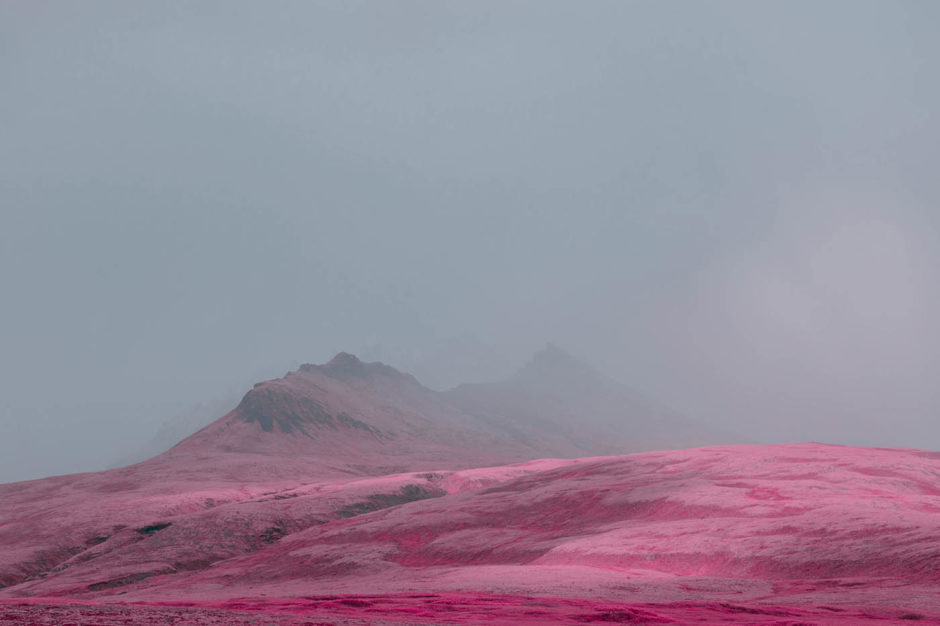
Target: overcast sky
{"points": [[730, 205]]}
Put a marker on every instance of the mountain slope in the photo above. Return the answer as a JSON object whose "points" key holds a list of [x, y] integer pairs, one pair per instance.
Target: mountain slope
{"points": [[334, 423], [323, 424], [808, 512], [368, 418], [755, 531], [350, 417]]}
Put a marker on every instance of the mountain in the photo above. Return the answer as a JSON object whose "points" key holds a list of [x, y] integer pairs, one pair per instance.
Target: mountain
{"points": [[343, 488], [337, 423], [557, 393], [351, 417]]}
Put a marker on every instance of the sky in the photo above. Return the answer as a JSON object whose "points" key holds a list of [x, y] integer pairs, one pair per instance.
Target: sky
{"points": [[731, 206]]}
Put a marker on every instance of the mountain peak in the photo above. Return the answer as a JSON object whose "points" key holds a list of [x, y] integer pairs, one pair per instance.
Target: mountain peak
{"points": [[347, 367], [344, 366], [552, 353], [552, 362]]}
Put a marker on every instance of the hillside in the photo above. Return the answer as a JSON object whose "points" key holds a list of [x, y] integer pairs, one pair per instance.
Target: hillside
{"points": [[799, 531], [315, 428], [340, 490]]}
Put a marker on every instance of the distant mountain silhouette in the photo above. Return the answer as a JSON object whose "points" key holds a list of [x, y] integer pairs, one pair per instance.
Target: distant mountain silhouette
{"points": [[357, 417], [351, 417], [558, 393]]}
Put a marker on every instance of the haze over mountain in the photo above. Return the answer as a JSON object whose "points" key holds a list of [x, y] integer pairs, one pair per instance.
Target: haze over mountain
{"points": [[731, 206], [559, 393], [556, 405], [180, 426]]}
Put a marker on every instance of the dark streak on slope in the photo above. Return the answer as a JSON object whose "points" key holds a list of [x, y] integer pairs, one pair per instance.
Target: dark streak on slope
{"points": [[153, 528], [120, 582]]}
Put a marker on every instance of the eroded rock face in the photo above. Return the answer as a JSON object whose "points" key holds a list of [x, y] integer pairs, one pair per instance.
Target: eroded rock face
{"points": [[277, 407]]}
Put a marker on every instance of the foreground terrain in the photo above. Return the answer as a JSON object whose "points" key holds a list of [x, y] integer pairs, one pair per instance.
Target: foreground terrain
{"points": [[348, 493], [776, 534], [435, 608]]}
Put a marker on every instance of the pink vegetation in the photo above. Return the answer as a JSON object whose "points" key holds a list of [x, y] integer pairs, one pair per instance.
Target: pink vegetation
{"points": [[796, 531], [348, 492]]}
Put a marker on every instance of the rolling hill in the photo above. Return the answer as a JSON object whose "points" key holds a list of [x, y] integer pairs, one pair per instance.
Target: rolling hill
{"points": [[348, 491]]}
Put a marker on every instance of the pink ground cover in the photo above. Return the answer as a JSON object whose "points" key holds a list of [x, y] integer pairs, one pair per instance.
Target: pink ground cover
{"points": [[803, 533]]}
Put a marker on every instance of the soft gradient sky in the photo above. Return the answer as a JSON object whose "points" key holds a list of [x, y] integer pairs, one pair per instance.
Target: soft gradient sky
{"points": [[730, 205]]}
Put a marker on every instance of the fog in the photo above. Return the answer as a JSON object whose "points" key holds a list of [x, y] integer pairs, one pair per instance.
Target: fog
{"points": [[732, 206]]}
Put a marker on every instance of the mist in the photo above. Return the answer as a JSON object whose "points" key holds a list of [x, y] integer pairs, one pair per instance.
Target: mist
{"points": [[731, 206]]}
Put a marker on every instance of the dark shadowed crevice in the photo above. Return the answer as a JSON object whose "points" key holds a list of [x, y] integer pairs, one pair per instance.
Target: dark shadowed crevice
{"points": [[94, 541], [376, 502], [351, 422], [153, 528], [120, 582], [273, 534]]}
